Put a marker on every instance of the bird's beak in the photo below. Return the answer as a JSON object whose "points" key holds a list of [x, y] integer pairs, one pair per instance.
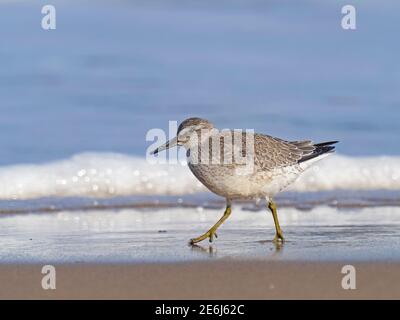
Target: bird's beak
{"points": [[170, 144]]}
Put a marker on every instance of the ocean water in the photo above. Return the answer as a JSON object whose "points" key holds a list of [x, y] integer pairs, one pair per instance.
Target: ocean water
{"points": [[77, 102], [110, 72], [113, 70]]}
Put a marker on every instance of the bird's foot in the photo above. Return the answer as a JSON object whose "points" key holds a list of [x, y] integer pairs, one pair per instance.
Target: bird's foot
{"points": [[209, 234], [278, 238]]}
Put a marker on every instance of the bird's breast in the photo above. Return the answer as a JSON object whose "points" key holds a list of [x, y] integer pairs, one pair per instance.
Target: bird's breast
{"points": [[226, 182]]}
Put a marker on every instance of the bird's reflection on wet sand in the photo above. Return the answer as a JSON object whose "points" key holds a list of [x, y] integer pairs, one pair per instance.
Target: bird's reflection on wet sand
{"points": [[275, 248]]}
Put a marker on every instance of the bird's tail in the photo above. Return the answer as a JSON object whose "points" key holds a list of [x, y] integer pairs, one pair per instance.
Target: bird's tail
{"points": [[320, 149]]}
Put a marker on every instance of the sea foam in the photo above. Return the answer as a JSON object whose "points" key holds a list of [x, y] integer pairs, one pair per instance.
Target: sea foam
{"points": [[108, 174]]}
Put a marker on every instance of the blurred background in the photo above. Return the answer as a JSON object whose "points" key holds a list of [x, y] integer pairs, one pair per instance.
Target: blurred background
{"points": [[77, 102], [112, 70]]}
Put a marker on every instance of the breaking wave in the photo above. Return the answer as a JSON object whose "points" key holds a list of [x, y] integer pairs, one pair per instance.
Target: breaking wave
{"points": [[108, 174]]}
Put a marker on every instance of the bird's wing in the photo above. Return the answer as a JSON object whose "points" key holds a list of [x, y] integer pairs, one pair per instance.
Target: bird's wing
{"points": [[272, 153], [269, 152]]}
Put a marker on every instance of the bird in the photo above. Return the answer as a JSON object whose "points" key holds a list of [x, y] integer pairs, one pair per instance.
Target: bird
{"points": [[237, 164]]}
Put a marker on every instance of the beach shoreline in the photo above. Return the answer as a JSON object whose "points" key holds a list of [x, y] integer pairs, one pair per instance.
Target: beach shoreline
{"points": [[128, 236], [136, 254]]}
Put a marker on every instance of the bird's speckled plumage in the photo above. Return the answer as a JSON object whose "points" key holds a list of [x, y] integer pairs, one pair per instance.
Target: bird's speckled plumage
{"points": [[277, 163]]}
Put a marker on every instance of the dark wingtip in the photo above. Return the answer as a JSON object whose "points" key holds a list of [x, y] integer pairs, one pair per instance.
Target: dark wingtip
{"points": [[322, 144], [320, 149]]}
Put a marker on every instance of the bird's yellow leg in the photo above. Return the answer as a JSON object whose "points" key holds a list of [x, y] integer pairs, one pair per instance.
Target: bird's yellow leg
{"points": [[279, 234], [212, 232]]}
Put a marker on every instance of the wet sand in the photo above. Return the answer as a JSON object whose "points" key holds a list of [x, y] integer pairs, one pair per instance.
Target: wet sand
{"points": [[161, 236], [144, 254], [203, 280]]}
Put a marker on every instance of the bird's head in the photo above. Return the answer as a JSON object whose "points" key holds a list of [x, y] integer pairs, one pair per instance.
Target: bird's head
{"points": [[190, 131]]}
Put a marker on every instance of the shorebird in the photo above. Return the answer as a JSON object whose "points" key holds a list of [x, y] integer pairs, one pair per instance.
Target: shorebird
{"points": [[243, 165]]}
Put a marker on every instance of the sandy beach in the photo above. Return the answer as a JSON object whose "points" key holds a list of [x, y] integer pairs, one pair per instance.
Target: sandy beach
{"points": [[203, 280]]}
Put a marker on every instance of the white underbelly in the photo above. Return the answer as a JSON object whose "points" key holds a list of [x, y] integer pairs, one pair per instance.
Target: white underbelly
{"points": [[225, 182]]}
